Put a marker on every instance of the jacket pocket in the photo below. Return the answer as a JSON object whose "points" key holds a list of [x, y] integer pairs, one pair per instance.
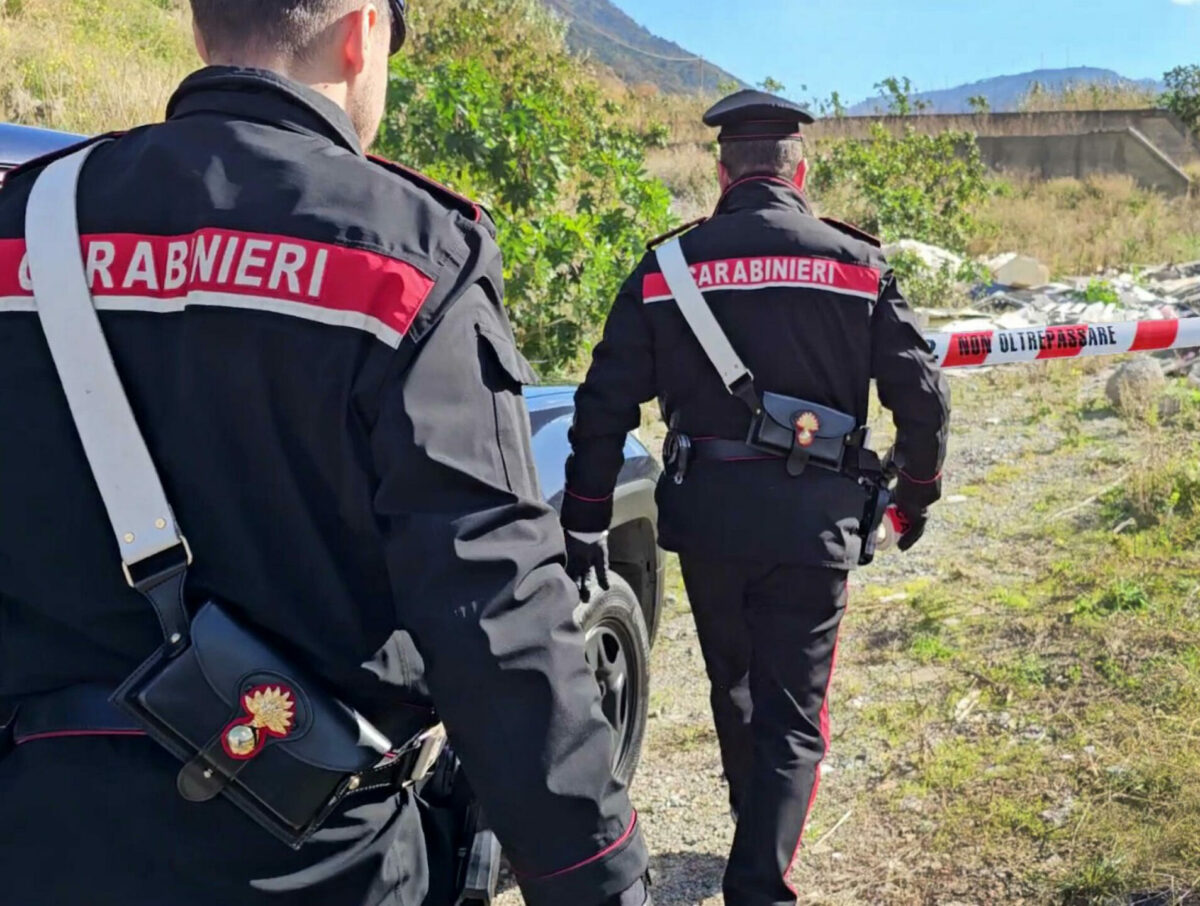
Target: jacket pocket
{"points": [[506, 373], [507, 362]]}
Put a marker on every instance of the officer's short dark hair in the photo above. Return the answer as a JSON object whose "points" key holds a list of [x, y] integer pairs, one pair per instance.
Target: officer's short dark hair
{"points": [[287, 27], [762, 158]]}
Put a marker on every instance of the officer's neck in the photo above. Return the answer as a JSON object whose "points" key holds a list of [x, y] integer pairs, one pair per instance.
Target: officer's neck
{"points": [[757, 185], [307, 75]]}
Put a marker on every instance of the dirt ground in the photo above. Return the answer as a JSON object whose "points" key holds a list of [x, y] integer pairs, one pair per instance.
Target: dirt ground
{"points": [[966, 766]]}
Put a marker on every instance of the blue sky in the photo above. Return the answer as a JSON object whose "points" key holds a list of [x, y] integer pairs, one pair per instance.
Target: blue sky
{"points": [[849, 45]]}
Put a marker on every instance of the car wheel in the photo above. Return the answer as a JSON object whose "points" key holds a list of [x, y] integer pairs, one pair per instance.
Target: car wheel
{"points": [[618, 651]]}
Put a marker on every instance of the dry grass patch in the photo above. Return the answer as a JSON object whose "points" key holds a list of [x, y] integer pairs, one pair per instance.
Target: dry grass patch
{"points": [[690, 172], [1079, 227], [89, 66]]}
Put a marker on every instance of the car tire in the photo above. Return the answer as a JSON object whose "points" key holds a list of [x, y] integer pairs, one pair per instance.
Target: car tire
{"points": [[618, 651]]}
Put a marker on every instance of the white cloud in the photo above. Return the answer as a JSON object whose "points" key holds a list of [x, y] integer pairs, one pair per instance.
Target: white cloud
{"points": [[1185, 2]]}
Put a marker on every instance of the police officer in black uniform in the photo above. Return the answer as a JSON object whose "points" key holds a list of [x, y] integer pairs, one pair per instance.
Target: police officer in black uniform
{"points": [[766, 533], [315, 348]]}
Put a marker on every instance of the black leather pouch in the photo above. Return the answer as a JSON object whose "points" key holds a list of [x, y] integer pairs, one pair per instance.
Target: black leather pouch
{"points": [[801, 430], [251, 726]]}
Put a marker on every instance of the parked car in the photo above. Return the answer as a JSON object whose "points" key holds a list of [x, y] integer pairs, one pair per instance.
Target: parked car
{"points": [[620, 623]]}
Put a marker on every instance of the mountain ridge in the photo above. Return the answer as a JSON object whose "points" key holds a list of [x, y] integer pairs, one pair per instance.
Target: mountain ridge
{"points": [[1004, 93], [601, 30]]}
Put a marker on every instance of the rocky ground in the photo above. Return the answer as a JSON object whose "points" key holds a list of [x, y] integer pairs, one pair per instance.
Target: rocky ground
{"points": [[964, 762]]}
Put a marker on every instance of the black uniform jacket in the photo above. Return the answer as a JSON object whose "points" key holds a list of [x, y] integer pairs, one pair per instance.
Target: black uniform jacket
{"points": [[314, 345], [812, 309]]}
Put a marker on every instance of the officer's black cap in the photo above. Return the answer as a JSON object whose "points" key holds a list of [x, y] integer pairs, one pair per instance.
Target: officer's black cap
{"points": [[399, 26], [750, 115]]}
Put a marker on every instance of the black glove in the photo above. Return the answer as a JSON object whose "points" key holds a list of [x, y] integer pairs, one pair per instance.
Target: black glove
{"points": [[582, 558], [914, 513]]}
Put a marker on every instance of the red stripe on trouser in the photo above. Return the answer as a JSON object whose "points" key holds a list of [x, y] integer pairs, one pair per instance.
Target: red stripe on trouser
{"points": [[1155, 335], [824, 727]]}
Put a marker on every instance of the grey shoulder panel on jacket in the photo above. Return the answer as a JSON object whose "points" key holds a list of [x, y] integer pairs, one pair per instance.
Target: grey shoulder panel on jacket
{"points": [[443, 195]]}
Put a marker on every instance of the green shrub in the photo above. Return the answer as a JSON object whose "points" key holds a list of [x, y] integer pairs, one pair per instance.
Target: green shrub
{"points": [[906, 186], [1156, 494], [1183, 94], [1101, 291], [944, 287], [489, 101], [1122, 596]]}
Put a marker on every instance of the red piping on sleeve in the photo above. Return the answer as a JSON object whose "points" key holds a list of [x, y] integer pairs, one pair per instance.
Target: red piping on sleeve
{"points": [[934, 480], [571, 493], [608, 850], [67, 734]]}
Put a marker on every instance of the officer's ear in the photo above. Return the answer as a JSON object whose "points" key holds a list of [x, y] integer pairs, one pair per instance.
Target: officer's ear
{"points": [[364, 27], [801, 176]]}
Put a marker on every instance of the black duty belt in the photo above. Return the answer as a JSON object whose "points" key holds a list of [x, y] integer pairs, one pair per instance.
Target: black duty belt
{"points": [[858, 459], [720, 450], [87, 710]]}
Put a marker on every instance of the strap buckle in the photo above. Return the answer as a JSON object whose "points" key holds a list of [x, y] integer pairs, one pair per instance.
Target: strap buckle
{"points": [[432, 743], [159, 567], [743, 389]]}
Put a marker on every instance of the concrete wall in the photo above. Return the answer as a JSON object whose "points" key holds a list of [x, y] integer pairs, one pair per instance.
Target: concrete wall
{"points": [[1124, 151], [1161, 127]]}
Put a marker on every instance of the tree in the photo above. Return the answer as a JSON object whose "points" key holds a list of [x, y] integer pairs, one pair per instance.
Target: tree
{"points": [[910, 185], [899, 96], [979, 104], [833, 107], [772, 86], [1182, 96], [489, 101]]}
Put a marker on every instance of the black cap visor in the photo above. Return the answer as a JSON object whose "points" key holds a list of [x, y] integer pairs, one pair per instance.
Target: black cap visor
{"points": [[399, 26], [760, 130]]}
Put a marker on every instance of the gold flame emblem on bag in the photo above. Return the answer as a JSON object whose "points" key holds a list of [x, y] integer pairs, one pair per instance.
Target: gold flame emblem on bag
{"points": [[807, 426], [270, 712]]}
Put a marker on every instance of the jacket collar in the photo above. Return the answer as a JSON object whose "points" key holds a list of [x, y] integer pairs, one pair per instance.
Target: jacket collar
{"points": [[758, 192], [265, 96]]}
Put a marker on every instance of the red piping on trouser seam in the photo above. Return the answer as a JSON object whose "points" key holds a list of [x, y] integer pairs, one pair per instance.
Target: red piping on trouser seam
{"points": [[69, 734], [608, 850], [571, 493], [934, 480], [824, 729]]}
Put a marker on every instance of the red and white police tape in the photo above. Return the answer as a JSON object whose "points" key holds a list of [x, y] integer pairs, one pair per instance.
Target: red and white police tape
{"points": [[1033, 344]]}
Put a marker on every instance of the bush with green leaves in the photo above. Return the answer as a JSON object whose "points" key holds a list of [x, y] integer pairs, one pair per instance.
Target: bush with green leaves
{"points": [[1182, 96], [489, 101], [907, 185]]}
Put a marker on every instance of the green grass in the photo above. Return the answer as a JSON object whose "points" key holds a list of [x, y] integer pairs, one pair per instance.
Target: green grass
{"points": [[1055, 727], [91, 65]]}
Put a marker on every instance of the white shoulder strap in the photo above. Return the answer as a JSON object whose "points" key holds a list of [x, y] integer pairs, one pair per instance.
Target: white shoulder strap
{"points": [[700, 318], [133, 495]]}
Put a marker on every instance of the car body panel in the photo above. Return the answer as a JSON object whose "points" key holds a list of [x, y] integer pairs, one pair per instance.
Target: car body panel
{"points": [[19, 144]]}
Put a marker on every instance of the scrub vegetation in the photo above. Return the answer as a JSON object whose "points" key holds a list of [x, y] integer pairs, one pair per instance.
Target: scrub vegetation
{"points": [[1017, 707]]}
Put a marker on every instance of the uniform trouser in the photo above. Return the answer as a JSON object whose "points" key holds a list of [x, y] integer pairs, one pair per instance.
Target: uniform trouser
{"points": [[768, 633], [98, 821]]}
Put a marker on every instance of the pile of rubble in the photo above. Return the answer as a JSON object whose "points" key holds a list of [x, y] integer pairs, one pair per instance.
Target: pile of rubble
{"points": [[1020, 293]]}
